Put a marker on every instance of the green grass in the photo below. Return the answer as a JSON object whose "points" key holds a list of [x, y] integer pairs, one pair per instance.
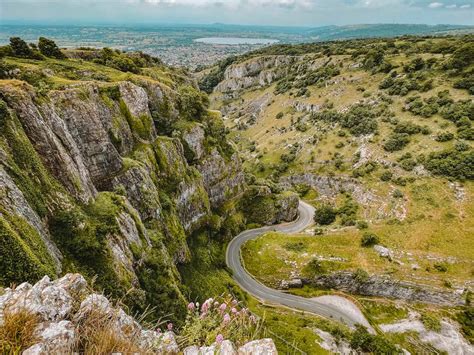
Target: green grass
{"points": [[432, 230]]}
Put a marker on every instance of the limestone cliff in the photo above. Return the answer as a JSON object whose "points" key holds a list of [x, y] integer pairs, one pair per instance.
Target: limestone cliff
{"points": [[110, 179]]}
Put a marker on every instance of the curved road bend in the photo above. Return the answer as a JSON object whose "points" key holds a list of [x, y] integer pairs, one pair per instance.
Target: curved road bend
{"points": [[270, 295]]}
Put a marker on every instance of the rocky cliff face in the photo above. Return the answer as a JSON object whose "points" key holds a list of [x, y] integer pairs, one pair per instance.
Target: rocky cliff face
{"points": [[385, 287], [254, 72], [110, 179]]}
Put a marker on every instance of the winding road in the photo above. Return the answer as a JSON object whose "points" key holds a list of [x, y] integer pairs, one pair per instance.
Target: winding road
{"points": [[270, 295]]}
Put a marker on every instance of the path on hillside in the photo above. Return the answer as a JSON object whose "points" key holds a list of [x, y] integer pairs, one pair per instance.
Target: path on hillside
{"points": [[270, 295]]}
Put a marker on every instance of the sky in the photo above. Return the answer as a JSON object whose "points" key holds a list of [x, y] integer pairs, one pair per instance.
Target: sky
{"points": [[248, 12]]}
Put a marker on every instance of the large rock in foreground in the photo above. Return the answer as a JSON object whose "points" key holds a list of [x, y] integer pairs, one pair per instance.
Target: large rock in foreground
{"points": [[67, 317]]}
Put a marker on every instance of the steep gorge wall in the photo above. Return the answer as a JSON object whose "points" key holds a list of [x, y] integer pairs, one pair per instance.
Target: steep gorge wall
{"points": [[110, 179]]}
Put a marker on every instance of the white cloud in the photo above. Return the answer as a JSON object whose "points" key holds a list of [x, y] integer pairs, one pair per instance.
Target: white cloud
{"points": [[453, 6], [467, 6], [435, 5]]}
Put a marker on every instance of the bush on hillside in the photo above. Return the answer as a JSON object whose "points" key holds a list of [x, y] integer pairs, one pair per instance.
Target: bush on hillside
{"points": [[365, 342], [452, 163], [369, 240], [396, 141], [325, 215], [49, 48], [19, 48], [444, 137], [463, 57]]}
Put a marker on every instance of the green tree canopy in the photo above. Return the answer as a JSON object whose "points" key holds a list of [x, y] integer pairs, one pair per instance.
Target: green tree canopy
{"points": [[49, 48]]}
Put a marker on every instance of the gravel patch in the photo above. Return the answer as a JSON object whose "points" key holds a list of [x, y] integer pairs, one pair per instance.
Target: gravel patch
{"points": [[346, 306]]}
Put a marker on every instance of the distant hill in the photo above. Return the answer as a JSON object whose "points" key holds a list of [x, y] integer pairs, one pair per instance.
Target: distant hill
{"points": [[381, 30]]}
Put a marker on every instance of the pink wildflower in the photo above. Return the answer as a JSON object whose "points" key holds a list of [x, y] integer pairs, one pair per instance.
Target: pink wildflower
{"points": [[191, 306], [170, 326], [205, 307], [226, 318], [222, 307], [253, 319], [233, 310], [234, 302], [219, 338]]}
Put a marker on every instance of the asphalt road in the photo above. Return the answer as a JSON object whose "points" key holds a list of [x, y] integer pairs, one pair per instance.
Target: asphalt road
{"points": [[270, 295]]}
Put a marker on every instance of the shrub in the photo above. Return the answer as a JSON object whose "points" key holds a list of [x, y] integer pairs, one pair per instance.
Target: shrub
{"points": [[49, 48], [123, 63], [386, 175], [396, 141], [192, 103], [466, 133], [363, 341], [407, 162], [400, 86], [465, 83], [279, 115], [444, 137], [463, 57], [325, 215], [415, 65], [369, 239], [452, 163], [407, 127], [360, 120], [374, 58], [441, 267], [348, 212]]}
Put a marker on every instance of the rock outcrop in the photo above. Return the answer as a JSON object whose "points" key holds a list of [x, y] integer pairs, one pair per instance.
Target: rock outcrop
{"points": [[256, 347], [66, 311], [263, 207], [255, 72], [379, 286]]}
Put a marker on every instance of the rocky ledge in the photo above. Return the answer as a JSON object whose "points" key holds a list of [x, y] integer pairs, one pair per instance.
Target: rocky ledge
{"points": [[379, 286], [66, 312]]}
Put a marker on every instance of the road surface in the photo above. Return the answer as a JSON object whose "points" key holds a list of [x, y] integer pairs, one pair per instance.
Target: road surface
{"points": [[270, 295]]}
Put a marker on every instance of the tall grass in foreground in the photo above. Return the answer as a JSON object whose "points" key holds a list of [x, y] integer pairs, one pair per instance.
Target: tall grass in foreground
{"points": [[217, 320], [17, 332]]}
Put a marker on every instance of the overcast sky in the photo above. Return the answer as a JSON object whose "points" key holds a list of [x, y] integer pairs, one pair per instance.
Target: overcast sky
{"points": [[255, 12]]}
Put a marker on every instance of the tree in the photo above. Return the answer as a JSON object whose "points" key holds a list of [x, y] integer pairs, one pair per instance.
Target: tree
{"points": [[49, 48], [20, 48], [325, 215]]}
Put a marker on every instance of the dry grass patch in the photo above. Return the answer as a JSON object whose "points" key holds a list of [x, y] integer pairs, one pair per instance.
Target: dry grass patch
{"points": [[97, 334], [17, 332]]}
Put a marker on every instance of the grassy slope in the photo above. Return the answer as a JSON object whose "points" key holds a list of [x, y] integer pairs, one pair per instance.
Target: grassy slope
{"points": [[437, 225]]}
